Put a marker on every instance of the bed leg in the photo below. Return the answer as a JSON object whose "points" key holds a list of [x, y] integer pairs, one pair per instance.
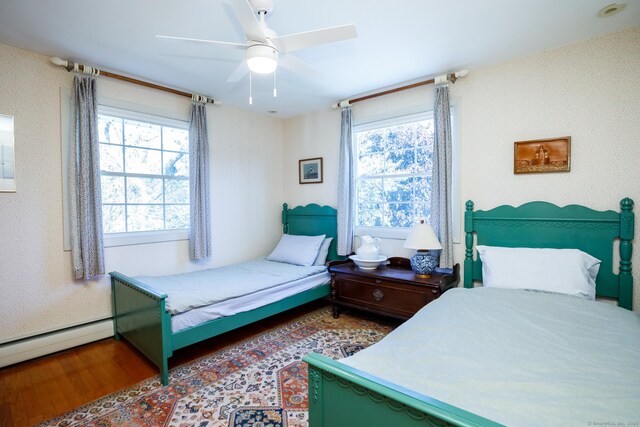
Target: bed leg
{"points": [[336, 311], [164, 372]]}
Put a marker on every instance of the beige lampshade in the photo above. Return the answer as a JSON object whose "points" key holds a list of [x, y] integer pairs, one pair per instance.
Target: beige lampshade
{"points": [[421, 236]]}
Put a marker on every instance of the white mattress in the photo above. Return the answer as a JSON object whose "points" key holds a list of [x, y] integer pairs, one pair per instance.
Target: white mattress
{"points": [[247, 302]]}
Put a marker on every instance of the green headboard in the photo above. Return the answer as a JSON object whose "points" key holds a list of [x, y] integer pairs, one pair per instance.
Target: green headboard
{"points": [[312, 220], [545, 225]]}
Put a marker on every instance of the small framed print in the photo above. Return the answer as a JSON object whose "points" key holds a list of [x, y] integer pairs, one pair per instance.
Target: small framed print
{"points": [[542, 155], [310, 171]]}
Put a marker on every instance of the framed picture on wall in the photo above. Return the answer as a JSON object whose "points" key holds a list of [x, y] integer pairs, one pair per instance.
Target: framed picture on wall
{"points": [[542, 155], [310, 171]]}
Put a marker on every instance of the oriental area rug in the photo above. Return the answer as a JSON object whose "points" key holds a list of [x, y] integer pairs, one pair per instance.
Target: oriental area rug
{"points": [[260, 382]]}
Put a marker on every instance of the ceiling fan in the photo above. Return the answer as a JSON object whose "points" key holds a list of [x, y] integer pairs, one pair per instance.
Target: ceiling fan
{"points": [[264, 49]]}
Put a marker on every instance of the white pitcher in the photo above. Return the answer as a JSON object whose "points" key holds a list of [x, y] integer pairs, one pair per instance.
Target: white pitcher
{"points": [[369, 248]]}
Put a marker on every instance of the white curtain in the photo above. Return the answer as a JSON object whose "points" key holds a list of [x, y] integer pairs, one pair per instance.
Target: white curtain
{"points": [[200, 220], [345, 187], [441, 179], [84, 181]]}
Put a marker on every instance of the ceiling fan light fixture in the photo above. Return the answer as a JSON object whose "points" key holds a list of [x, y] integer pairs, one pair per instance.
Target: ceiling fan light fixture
{"points": [[262, 59]]}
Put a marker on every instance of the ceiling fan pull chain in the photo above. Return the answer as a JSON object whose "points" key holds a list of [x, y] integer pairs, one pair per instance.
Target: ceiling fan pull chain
{"points": [[275, 89], [250, 87]]}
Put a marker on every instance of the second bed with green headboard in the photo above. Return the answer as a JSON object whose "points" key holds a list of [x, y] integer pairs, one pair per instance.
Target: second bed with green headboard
{"points": [[140, 311], [487, 356]]}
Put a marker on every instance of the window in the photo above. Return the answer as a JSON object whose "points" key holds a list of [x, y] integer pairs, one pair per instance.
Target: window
{"points": [[394, 160], [144, 167]]}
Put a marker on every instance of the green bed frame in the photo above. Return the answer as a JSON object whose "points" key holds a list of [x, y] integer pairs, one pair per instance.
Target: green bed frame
{"points": [[140, 316], [341, 396]]}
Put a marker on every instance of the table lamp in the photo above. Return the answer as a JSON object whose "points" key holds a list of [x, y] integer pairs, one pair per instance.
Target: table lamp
{"points": [[422, 238]]}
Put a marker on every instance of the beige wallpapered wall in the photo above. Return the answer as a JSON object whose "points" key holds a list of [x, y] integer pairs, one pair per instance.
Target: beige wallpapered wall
{"points": [[588, 90], [37, 293]]}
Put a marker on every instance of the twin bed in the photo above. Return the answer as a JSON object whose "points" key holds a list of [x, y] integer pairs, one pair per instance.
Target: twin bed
{"points": [[243, 293], [491, 356]]}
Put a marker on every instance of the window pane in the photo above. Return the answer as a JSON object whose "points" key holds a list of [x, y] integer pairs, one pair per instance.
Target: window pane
{"points": [[424, 133], [110, 158], [176, 191], [398, 189], [370, 214], [423, 211], [143, 161], [112, 189], [370, 191], [145, 218], [398, 137], [141, 134], [424, 161], [372, 164], [175, 139], [109, 129], [400, 162], [176, 164], [370, 142], [398, 215], [422, 189], [113, 219], [144, 190], [177, 216]]}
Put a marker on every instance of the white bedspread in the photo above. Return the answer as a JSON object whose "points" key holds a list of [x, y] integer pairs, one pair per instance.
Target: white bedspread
{"points": [[199, 288], [520, 358]]}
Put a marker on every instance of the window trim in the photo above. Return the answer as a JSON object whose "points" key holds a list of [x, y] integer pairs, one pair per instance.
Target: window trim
{"points": [[399, 233]]}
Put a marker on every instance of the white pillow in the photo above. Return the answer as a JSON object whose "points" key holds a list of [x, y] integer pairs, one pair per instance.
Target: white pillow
{"points": [[321, 259], [567, 271], [298, 250]]}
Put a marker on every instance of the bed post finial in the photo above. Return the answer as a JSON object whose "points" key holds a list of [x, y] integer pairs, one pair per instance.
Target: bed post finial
{"points": [[468, 253], [285, 221], [625, 295]]}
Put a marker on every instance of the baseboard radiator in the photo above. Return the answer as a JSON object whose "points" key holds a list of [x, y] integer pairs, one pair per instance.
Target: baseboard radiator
{"points": [[41, 345]]}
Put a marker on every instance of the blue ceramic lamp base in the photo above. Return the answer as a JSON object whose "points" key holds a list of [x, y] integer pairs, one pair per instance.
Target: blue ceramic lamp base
{"points": [[423, 263]]}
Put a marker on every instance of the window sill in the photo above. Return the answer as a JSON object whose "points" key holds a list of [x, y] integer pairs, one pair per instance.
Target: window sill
{"points": [[144, 237]]}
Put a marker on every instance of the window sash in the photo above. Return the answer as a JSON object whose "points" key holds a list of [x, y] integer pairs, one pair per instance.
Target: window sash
{"points": [[162, 122], [385, 176]]}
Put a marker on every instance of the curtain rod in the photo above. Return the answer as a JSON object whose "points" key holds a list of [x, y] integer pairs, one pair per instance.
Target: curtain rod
{"points": [[74, 66], [450, 77]]}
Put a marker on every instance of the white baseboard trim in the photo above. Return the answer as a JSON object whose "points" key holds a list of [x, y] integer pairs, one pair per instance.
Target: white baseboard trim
{"points": [[30, 348]]}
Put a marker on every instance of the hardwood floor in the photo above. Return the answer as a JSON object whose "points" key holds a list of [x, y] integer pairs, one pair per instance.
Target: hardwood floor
{"points": [[43, 388]]}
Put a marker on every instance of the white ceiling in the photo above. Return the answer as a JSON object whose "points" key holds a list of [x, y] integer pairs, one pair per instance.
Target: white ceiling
{"points": [[399, 41]]}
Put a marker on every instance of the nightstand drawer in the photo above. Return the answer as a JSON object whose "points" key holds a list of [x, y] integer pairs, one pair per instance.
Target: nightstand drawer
{"points": [[399, 299]]}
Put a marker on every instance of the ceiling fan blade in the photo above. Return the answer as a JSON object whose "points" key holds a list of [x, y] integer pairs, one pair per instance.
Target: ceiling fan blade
{"points": [[225, 44], [248, 21], [297, 41], [297, 66], [239, 72]]}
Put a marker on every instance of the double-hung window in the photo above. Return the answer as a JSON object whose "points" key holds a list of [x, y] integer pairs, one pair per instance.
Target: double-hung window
{"points": [[144, 167], [393, 167]]}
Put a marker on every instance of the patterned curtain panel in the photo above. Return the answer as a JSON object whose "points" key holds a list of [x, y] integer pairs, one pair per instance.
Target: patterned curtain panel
{"points": [[84, 180], [441, 179], [345, 187], [200, 221]]}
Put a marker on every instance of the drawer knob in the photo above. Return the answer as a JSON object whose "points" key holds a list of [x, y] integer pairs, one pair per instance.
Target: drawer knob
{"points": [[378, 281], [378, 295]]}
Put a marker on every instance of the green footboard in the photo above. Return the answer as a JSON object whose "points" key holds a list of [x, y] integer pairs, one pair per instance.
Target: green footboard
{"points": [[140, 317], [341, 396]]}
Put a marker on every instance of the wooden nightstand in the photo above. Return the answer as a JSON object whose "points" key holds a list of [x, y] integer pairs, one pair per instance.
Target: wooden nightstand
{"points": [[392, 290]]}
